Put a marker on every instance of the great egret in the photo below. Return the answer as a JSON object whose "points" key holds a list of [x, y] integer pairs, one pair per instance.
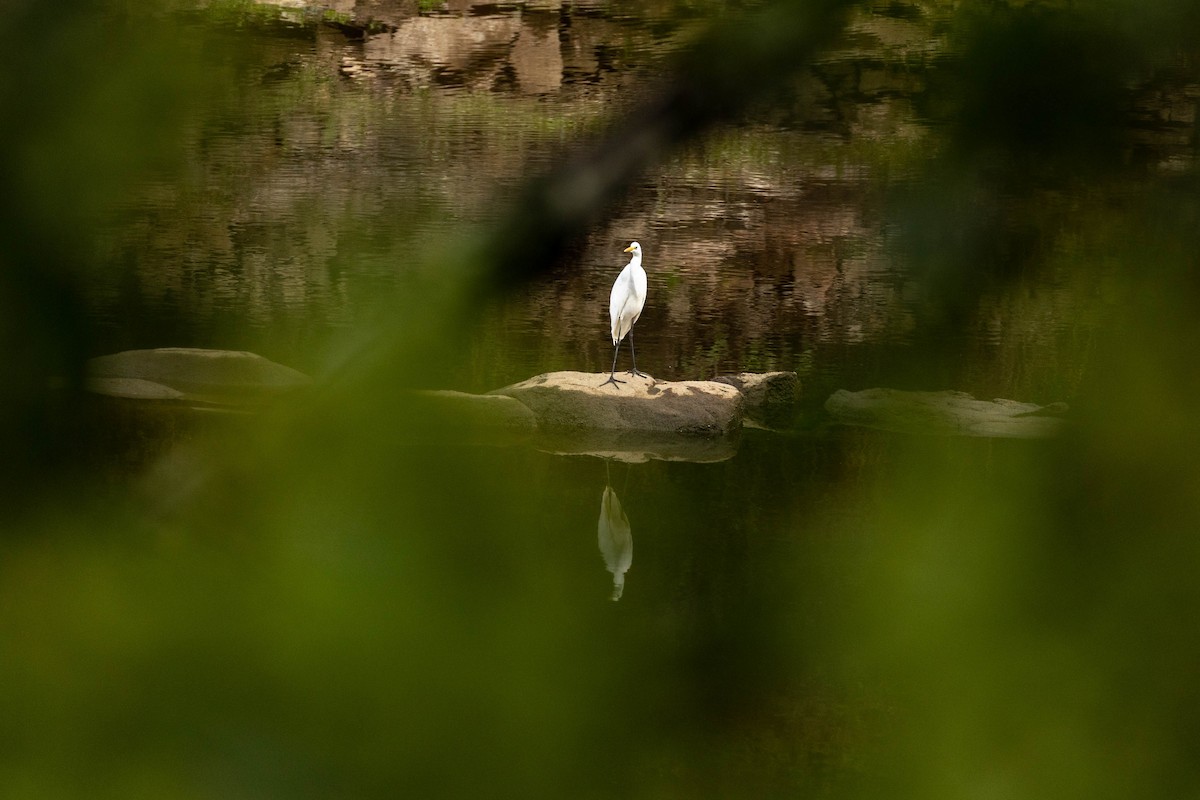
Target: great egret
{"points": [[625, 306]]}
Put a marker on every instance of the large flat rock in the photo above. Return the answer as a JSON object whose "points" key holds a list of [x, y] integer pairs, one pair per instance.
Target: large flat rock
{"points": [[579, 400]]}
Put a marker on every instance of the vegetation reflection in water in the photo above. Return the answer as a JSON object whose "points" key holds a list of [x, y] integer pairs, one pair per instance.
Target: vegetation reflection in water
{"points": [[769, 211], [319, 603]]}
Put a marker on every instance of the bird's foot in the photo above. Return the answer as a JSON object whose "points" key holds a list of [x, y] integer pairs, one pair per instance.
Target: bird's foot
{"points": [[640, 374], [612, 379]]}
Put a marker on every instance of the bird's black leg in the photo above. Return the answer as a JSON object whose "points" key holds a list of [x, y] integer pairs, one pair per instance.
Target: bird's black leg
{"points": [[612, 373], [634, 371]]}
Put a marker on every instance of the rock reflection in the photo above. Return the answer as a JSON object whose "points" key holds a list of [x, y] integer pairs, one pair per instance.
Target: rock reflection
{"points": [[615, 539]]}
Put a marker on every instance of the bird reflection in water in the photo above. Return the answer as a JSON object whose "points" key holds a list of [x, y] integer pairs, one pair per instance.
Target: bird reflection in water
{"points": [[615, 538]]}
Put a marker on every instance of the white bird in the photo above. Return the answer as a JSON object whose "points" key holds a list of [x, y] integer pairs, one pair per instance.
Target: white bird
{"points": [[625, 306]]}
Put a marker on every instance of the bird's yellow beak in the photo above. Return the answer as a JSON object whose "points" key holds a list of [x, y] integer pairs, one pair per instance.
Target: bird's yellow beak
{"points": [[628, 249]]}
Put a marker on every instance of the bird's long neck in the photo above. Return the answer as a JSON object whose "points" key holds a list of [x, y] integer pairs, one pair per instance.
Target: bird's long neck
{"points": [[636, 260]]}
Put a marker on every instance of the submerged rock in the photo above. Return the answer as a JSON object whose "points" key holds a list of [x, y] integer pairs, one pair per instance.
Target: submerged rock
{"points": [[579, 400], [486, 410], [771, 397], [442, 415], [206, 377], [946, 413], [635, 447]]}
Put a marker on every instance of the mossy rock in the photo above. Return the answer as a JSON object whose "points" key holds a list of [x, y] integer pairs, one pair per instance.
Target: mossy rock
{"points": [[192, 375]]}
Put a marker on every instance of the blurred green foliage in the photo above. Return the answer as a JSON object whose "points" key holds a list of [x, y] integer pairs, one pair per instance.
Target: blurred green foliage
{"points": [[312, 606]]}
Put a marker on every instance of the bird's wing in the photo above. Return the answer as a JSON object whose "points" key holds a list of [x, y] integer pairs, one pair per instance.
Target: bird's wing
{"points": [[619, 315], [620, 291], [638, 279]]}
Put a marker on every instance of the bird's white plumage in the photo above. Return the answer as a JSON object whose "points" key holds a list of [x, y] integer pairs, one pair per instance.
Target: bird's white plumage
{"points": [[628, 295]]}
